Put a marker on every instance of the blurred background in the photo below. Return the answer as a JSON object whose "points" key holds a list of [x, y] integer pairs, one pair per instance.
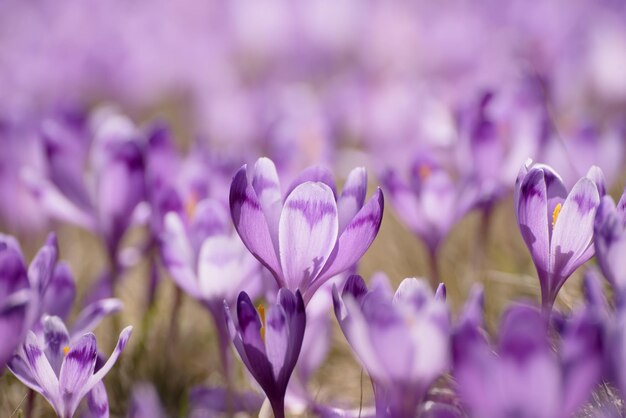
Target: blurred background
{"points": [[341, 83]]}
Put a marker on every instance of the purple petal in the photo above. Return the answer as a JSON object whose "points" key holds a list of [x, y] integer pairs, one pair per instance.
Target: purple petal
{"points": [[251, 223], [12, 270], [355, 239], [314, 174], [532, 218], [523, 333], [266, 185], [56, 339], [60, 293], [99, 375], [596, 175], [41, 268], [573, 230], [210, 400], [352, 197], [416, 293], [610, 243], [145, 402], [76, 370], [13, 324], [98, 402], [307, 233], [405, 203], [276, 338], [41, 371], [91, 316], [177, 254], [249, 323]]}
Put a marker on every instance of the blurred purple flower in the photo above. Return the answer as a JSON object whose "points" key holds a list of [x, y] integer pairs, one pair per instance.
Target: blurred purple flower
{"points": [[103, 199], [610, 241], [145, 402], [431, 203], [401, 340], [64, 371], [557, 227], [524, 377], [310, 234], [270, 348]]}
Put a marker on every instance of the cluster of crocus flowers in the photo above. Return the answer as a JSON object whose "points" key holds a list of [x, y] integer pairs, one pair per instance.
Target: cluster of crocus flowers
{"points": [[556, 226], [309, 234]]}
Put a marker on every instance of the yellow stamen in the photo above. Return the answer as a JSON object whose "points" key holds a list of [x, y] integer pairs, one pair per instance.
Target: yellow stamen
{"points": [[66, 350], [261, 310], [424, 171], [190, 205], [555, 214]]}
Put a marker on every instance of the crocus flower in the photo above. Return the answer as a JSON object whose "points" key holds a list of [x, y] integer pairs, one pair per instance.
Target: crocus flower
{"points": [[401, 340], [610, 241], [557, 227], [270, 348], [145, 402], [103, 198], [63, 371], [431, 203], [524, 377], [310, 234]]}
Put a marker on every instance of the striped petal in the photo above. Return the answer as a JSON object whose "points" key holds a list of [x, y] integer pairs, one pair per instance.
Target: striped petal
{"points": [[76, 370], [307, 233], [352, 197]]}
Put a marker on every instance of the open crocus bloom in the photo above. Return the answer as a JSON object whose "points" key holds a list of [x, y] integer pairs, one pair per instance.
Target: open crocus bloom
{"points": [[610, 241], [63, 371], [523, 376], [401, 339], [557, 227], [270, 347], [310, 234]]}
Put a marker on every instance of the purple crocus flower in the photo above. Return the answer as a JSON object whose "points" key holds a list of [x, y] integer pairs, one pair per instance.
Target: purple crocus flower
{"points": [[270, 348], [557, 227], [103, 198], [310, 234], [610, 241], [64, 371], [401, 340], [524, 377], [431, 203]]}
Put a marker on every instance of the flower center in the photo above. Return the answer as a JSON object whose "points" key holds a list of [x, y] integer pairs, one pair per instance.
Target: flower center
{"points": [[191, 204], [66, 350], [424, 171], [555, 214]]}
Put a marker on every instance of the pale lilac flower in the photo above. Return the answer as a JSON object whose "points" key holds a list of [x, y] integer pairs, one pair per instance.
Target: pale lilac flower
{"points": [[401, 340], [64, 371], [610, 241], [522, 376], [556, 226], [309, 234]]}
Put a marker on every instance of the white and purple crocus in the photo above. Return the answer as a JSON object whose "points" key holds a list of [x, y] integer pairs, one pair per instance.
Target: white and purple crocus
{"points": [[401, 339], [556, 226], [309, 234], [63, 370], [270, 346]]}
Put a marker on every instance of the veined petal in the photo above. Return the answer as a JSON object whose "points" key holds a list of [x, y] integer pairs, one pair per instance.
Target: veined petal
{"points": [[266, 185], [573, 230], [276, 339], [352, 197], [355, 239], [106, 367], [251, 224], [91, 316], [76, 370], [307, 233], [41, 371], [533, 220], [177, 253], [596, 175], [56, 339]]}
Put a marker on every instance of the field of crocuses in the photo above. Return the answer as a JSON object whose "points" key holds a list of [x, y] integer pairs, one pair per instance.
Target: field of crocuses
{"points": [[320, 208]]}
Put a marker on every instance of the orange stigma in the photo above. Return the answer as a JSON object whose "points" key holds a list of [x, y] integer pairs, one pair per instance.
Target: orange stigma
{"points": [[190, 205], [66, 350], [424, 171], [555, 214], [261, 310]]}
